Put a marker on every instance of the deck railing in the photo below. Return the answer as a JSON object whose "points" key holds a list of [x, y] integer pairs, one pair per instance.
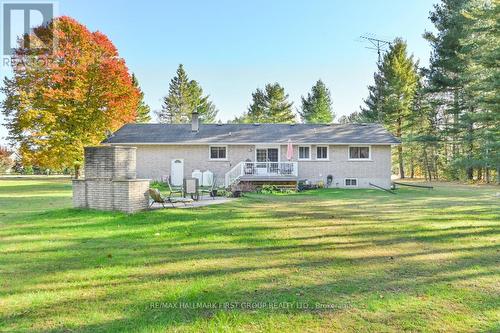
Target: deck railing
{"points": [[261, 169]]}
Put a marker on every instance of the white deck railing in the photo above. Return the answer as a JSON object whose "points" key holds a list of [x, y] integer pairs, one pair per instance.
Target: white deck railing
{"points": [[261, 169]]}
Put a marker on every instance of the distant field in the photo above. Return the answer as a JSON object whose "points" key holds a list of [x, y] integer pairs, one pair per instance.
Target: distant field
{"points": [[325, 260]]}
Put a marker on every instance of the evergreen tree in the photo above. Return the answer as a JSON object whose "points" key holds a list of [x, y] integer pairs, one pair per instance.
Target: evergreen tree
{"points": [[270, 105], [480, 52], [369, 113], [452, 129], [391, 97], [317, 107], [445, 80], [184, 97], [143, 110]]}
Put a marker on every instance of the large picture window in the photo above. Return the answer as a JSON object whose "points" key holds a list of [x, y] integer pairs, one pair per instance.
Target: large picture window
{"points": [[218, 152], [359, 153], [304, 153]]}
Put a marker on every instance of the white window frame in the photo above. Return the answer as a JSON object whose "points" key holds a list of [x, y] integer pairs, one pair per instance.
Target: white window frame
{"points": [[359, 159], [298, 153], [346, 179], [327, 153], [217, 159]]}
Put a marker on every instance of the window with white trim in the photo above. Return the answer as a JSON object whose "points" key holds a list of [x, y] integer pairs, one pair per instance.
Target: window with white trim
{"points": [[351, 182], [359, 153], [322, 152], [304, 153], [218, 152]]}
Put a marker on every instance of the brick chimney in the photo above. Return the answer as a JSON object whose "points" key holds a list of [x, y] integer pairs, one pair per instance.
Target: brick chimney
{"points": [[195, 122]]}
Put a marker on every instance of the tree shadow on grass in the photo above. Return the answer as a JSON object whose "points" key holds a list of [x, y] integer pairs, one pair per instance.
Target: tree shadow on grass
{"points": [[239, 252]]}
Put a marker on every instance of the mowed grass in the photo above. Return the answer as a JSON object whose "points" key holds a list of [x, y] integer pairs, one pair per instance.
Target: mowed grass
{"points": [[326, 260]]}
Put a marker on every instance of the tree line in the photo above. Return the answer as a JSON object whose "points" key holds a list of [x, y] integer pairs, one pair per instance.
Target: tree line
{"points": [[447, 116], [59, 101], [269, 105]]}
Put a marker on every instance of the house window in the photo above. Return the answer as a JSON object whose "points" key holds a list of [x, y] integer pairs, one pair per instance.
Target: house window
{"points": [[359, 153], [322, 153], [218, 152], [351, 182], [304, 153]]}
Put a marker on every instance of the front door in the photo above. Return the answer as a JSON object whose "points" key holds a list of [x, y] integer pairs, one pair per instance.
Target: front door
{"points": [[177, 172]]}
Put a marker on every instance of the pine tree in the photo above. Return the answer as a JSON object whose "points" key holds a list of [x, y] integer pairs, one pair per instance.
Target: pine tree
{"points": [[317, 107], [206, 109], [143, 110], [184, 97], [445, 80], [370, 112], [391, 97], [400, 79], [270, 105], [480, 52]]}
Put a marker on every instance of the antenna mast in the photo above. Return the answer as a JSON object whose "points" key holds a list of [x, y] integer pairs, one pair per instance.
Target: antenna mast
{"points": [[376, 44]]}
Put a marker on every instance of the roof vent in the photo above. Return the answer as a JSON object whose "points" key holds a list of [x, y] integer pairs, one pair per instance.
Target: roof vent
{"points": [[230, 133]]}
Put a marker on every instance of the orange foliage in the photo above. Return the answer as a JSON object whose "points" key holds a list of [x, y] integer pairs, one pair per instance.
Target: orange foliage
{"points": [[58, 102]]}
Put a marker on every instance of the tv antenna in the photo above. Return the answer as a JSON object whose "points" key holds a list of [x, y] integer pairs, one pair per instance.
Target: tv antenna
{"points": [[376, 44]]}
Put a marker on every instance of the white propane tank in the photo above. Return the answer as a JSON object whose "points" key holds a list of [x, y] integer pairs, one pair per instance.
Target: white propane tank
{"points": [[198, 175], [208, 178]]}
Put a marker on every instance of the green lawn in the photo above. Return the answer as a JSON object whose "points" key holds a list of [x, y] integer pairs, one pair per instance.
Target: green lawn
{"points": [[337, 260]]}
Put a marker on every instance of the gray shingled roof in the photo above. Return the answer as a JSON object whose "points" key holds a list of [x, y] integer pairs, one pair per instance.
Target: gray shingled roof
{"points": [[250, 133]]}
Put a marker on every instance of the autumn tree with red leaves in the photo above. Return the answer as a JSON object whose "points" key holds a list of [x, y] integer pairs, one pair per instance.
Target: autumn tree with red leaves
{"points": [[63, 99]]}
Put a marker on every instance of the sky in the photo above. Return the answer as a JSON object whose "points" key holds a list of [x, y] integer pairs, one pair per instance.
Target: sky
{"points": [[233, 47]]}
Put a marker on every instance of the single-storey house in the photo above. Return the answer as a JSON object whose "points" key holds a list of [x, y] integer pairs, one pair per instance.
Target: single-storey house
{"points": [[349, 155]]}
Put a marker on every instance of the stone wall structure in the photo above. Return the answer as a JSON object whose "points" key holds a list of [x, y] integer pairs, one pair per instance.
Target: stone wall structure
{"points": [[110, 181]]}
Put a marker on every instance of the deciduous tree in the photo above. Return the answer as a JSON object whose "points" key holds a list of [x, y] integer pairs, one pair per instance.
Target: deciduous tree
{"points": [[58, 102]]}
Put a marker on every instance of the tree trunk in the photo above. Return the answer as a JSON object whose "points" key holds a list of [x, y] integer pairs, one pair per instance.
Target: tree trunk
{"points": [[400, 151], [487, 175], [77, 171], [427, 170]]}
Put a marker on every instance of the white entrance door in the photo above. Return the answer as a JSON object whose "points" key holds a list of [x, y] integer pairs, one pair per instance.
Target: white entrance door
{"points": [[177, 172]]}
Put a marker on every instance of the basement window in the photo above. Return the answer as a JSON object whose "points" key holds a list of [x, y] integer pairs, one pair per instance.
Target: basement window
{"points": [[351, 182]]}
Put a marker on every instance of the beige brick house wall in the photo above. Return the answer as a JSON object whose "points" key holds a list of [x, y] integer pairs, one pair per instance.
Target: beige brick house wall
{"points": [[153, 162]]}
